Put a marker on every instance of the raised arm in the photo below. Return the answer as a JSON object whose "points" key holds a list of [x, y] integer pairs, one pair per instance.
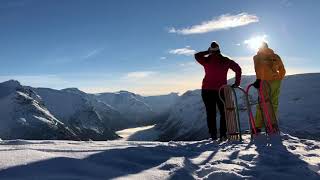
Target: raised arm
{"points": [[237, 69], [200, 57]]}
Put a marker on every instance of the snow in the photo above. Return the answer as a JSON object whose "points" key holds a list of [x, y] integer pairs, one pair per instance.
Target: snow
{"points": [[62, 104], [299, 112], [280, 157], [7, 87], [137, 109], [41, 112], [145, 133], [84, 116], [24, 116]]}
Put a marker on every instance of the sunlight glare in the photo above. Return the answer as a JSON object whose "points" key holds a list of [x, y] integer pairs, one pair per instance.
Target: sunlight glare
{"points": [[255, 42]]}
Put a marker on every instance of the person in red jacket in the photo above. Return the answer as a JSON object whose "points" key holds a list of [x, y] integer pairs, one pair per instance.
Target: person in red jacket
{"points": [[216, 68]]}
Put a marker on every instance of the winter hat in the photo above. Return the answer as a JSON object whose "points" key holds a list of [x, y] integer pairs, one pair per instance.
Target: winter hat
{"points": [[264, 45], [214, 46]]}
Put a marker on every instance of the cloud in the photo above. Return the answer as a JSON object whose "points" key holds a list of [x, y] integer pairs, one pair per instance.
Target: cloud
{"points": [[163, 58], [187, 51], [81, 57], [226, 21], [139, 74], [92, 53]]}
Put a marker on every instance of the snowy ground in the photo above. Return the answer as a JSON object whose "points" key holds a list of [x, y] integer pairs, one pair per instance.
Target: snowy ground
{"points": [[284, 157], [145, 133]]}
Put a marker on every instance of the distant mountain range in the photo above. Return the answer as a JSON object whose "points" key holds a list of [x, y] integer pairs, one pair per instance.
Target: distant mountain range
{"points": [[43, 113]]}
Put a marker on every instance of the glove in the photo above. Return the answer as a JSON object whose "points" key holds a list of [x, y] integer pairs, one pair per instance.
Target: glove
{"points": [[257, 84], [234, 85]]}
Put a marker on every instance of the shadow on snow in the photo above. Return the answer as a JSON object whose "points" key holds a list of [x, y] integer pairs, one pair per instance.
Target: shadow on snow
{"points": [[132, 160]]}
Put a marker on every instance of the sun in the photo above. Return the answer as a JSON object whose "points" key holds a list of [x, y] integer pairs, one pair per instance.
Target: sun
{"points": [[255, 42]]}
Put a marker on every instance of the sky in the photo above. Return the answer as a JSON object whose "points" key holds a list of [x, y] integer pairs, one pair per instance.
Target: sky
{"points": [[147, 46]]}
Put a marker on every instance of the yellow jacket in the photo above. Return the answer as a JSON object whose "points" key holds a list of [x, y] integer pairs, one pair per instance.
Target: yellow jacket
{"points": [[268, 65]]}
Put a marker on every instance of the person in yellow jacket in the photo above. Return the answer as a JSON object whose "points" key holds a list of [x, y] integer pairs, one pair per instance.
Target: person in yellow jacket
{"points": [[268, 67]]}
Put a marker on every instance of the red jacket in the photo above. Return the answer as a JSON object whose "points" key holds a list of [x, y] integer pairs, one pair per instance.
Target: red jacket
{"points": [[216, 69]]}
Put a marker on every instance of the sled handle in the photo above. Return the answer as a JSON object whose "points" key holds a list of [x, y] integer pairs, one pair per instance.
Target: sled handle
{"points": [[252, 124]]}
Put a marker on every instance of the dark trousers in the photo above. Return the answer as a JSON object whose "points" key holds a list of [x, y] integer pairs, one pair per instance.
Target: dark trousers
{"points": [[211, 100]]}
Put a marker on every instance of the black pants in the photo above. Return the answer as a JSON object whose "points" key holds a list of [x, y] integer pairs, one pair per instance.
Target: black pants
{"points": [[211, 100]]}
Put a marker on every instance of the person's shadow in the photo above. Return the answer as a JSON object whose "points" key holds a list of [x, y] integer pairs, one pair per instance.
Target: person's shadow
{"points": [[275, 161]]}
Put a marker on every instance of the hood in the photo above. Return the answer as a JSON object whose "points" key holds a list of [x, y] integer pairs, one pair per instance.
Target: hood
{"points": [[265, 51]]}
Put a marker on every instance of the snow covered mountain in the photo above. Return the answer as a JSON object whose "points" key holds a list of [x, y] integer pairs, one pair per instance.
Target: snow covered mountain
{"points": [[109, 116], [162, 103], [85, 116], [300, 102], [23, 115], [139, 110], [299, 112], [186, 120], [77, 112]]}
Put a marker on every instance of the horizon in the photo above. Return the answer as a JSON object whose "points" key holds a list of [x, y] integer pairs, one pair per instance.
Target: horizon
{"points": [[146, 95], [109, 46]]}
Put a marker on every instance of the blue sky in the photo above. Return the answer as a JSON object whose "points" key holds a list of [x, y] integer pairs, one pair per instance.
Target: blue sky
{"points": [[146, 46]]}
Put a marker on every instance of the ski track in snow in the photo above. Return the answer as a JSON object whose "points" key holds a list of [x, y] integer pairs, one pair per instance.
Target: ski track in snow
{"points": [[283, 157]]}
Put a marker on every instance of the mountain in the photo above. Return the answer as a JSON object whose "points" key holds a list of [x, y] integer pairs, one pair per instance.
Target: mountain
{"points": [[137, 109], [77, 112], [186, 120], [298, 110], [109, 116], [23, 115], [299, 105], [161, 103]]}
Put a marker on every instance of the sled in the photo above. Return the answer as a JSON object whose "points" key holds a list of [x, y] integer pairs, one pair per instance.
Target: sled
{"points": [[266, 108], [229, 98], [268, 114], [252, 125]]}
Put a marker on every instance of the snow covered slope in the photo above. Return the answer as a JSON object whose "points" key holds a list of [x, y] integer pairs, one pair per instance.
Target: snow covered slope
{"points": [[299, 110], [186, 120], [162, 103], [23, 115], [300, 105], [109, 116], [281, 157], [89, 116], [77, 112], [138, 110]]}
